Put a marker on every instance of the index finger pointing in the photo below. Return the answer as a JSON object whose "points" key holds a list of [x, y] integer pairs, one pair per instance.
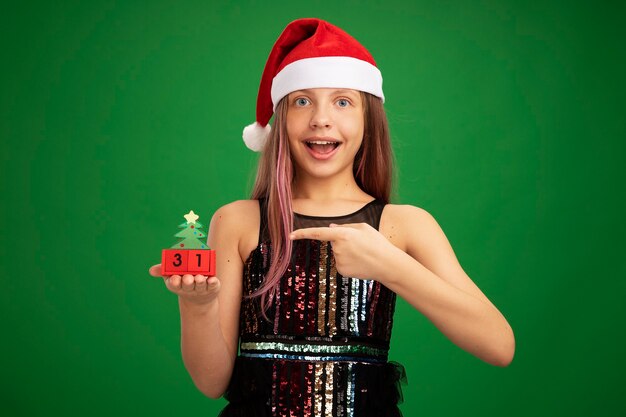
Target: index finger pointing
{"points": [[315, 233]]}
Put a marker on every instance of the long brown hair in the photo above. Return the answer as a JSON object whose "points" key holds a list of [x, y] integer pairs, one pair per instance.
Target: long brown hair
{"points": [[373, 172]]}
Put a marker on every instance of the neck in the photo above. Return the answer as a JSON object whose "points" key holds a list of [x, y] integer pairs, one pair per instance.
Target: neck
{"points": [[327, 189]]}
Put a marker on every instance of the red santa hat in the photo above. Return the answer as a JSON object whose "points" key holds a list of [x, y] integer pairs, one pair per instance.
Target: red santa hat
{"points": [[310, 53]]}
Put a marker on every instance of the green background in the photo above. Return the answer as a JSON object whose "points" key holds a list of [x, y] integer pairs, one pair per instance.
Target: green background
{"points": [[508, 126]]}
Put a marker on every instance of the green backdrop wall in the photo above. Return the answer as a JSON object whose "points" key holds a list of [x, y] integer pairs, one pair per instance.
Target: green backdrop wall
{"points": [[118, 117]]}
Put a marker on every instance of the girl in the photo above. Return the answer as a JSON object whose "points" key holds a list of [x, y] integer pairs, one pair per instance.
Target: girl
{"points": [[309, 268]]}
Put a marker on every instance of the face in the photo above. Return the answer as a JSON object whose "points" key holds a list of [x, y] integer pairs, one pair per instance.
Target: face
{"points": [[325, 128]]}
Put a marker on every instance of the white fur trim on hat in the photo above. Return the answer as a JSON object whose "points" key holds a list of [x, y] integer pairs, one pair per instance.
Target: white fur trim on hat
{"points": [[328, 72], [255, 136]]}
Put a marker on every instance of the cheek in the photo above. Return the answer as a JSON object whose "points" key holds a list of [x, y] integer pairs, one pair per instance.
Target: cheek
{"points": [[356, 128], [292, 133], [296, 119]]}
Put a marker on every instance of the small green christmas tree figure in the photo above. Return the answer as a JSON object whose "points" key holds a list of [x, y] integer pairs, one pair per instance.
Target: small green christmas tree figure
{"points": [[189, 255], [191, 233]]}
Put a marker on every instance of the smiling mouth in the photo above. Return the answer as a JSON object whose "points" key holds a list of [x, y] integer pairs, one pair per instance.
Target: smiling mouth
{"points": [[322, 146]]}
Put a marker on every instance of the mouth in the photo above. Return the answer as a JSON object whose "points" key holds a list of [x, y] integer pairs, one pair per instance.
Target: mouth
{"points": [[322, 148]]}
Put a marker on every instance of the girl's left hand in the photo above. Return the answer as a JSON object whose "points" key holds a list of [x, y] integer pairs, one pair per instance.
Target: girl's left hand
{"points": [[359, 249]]}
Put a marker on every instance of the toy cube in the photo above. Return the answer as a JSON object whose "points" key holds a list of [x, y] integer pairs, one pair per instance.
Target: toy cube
{"points": [[201, 262], [188, 261]]}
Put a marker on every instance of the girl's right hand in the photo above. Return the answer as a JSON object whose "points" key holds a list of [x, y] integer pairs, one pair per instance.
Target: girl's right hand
{"points": [[196, 289]]}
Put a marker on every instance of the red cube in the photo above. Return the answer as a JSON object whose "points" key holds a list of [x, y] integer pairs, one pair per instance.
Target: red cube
{"points": [[188, 261], [200, 261]]}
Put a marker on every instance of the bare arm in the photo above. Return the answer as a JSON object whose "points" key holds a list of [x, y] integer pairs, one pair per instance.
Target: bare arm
{"points": [[429, 277], [412, 257], [209, 308]]}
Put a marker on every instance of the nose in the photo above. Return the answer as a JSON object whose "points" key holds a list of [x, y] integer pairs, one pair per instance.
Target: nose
{"points": [[320, 117]]}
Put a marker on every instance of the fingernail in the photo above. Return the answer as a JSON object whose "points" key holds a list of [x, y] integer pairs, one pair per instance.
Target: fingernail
{"points": [[332, 225]]}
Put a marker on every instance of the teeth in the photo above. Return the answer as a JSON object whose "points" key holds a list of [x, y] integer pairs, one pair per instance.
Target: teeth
{"points": [[321, 142]]}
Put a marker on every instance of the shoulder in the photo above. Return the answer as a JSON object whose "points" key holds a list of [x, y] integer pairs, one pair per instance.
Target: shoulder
{"points": [[236, 225], [239, 210], [399, 211], [408, 226], [405, 215]]}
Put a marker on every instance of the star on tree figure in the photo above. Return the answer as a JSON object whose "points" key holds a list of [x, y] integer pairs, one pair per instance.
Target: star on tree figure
{"points": [[191, 217]]}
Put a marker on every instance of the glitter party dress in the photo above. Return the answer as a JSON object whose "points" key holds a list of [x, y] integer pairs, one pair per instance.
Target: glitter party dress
{"points": [[324, 352]]}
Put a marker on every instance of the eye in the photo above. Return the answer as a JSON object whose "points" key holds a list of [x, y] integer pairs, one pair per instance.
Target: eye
{"points": [[301, 101], [342, 102]]}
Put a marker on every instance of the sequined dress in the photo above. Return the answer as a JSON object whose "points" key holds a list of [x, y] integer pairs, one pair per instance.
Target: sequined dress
{"points": [[324, 353]]}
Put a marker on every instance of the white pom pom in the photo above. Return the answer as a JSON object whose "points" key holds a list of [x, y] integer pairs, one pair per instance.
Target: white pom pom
{"points": [[255, 136]]}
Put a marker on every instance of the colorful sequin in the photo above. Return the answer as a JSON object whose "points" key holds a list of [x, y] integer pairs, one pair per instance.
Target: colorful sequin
{"points": [[326, 331]]}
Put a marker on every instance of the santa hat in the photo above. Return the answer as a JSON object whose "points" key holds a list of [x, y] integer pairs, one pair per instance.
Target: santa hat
{"points": [[310, 53]]}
